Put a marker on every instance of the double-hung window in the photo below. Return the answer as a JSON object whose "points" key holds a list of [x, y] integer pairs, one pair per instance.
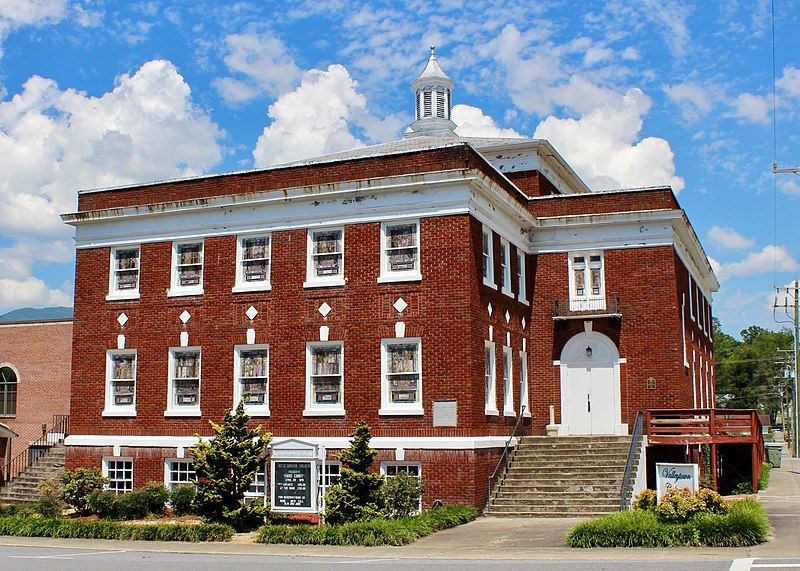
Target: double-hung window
{"points": [[184, 382], [508, 382], [586, 283], [487, 248], [325, 258], [178, 473], [401, 367], [324, 379], [522, 285], [400, 251], [187, 268], [505, 267], [258, 487], [489, 377], [124, 276], [119, 472], [251, 377], [120, 383], [253, 254], [524, 398]]}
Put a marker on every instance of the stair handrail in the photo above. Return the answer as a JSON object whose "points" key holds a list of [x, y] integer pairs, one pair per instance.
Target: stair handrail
{"points": [[49, 438], [636, 437], [504, 456]]}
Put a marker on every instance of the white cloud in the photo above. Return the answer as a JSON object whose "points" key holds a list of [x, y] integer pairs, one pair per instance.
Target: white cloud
{"points": [[671, 16], [54, 142], [694, 100], [604, 149], [761, 262], [264, 63], [751, 108], [729, 238], [473, 123], [17, 13], [31, 291], [315, 119], [789, 82], [788, 184]]}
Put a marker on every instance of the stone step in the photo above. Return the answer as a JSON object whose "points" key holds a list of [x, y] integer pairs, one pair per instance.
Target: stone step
{"points": [[546, 445], [562, 481], [551, 511], [577, 439], [544, 491], [530, 467]]}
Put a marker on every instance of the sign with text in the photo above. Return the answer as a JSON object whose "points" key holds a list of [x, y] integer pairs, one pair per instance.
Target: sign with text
{"points": [[678, 476], [294, 487]]}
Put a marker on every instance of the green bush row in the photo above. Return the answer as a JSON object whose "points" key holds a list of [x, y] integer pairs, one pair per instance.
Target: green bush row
{"points": [[22, 526], [745, 524], [400, 531]]}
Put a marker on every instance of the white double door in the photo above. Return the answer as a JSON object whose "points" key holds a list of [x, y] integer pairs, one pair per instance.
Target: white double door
{"points": [[590, 405]]}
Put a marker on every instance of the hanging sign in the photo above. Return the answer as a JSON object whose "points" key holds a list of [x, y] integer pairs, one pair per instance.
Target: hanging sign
{"points": [[678, 476]]}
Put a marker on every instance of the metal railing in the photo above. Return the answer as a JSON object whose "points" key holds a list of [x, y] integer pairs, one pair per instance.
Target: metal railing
{"points": [[502, 463], [49, 438], [636, 440], [607, 306]]}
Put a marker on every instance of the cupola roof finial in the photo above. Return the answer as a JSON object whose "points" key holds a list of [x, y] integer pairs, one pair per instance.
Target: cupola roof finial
{"points": [[432, 95]]}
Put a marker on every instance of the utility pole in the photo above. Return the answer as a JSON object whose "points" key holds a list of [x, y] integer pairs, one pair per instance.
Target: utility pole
{"points": [[791, 309]]}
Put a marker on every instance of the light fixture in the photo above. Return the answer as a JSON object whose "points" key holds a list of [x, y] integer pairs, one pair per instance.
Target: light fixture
{"points": [[588, 351]]}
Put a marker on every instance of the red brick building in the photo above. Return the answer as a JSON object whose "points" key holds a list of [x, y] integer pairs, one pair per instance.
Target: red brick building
{"points": [[432, 287]]}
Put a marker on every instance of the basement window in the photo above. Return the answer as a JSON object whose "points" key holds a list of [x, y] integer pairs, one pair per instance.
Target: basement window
{"points": [[401, 374], [400, 252], [178, 473], [184, 382], [187, 269], [124, 275], [120, 383], [324, 379], [253, 255], [119, 472], [325, 258], [251, 372]]}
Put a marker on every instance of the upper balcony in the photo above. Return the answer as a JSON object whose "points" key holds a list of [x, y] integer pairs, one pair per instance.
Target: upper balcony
{"points": [[587, 308]]}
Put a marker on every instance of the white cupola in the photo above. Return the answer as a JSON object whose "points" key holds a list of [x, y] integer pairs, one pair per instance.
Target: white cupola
{"points": [[432, 98]]}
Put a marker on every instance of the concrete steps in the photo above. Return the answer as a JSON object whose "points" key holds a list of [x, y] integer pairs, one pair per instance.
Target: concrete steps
{"points": [[24, 488], [562, 477]]}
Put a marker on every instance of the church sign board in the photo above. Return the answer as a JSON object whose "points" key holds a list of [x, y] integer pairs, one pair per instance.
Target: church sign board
{"points": [[294, 479], [678, 476]]}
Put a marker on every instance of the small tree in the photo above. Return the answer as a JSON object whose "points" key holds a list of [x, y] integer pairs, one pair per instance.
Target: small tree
{"points": [[402, 494], [79, 484], [225, 466], [357, 496]]}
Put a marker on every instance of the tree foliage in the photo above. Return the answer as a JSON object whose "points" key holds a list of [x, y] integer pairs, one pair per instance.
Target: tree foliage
{"points": [[225, 466], [750, 372]]}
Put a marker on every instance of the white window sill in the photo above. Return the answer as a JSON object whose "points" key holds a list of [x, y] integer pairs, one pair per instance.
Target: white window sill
{"points": [[509, 412], [491, 412], [400, 277], [188, 412], [323, 412], [119, 296], [259, 286], [492, 285], [526, 414], [523, 300], [340, 281], [118, 412], [253, 411], [401, 411], [184, 292], [508, 292]]}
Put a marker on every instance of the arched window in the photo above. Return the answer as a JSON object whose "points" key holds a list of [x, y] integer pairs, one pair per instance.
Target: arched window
{"points": [[8, 391]]}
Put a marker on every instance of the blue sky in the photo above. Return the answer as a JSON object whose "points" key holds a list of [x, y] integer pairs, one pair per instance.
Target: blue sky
{"points": [[632, 93]]}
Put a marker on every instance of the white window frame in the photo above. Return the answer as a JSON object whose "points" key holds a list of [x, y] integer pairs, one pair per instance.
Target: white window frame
{"points": [[262, 471], [490, 396], [112, 409], [524, 389], [325, 478], [317, 409], [508, 382], [505, 269], [250, 409], [168, 483], [387, 275], [106, 472], [691, 301], [118, 294], [387, 406], [325, 281], [587, 301], [522, 277], [487, 258], [179, 410], [177, 290], [241, 285]]}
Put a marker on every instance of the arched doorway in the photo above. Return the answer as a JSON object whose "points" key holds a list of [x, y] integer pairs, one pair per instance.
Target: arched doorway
{"points": [[590, 393]]}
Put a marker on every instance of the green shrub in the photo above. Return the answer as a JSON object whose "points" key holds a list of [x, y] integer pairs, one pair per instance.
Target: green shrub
{"points": [[400, 531], [402, 494], [78, 486], [248, 516], [679, 505], [745, 524], [131, 506], [154, 496], [763, 478], [66, 528], [49, 503], [182, 499], [104, 504], [645, 500]]}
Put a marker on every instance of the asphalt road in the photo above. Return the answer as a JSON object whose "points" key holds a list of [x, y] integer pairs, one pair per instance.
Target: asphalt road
{"points": [[48, 558]]}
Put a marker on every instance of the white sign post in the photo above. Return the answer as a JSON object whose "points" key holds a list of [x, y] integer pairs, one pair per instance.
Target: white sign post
{"points": [[680, 476]]}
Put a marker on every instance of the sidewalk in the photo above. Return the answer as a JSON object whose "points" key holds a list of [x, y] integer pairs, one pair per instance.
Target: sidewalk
{"points": [[499, 538]]}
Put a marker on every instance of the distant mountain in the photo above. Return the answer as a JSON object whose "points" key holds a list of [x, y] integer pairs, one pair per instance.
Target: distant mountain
{"points": [[37, 314]]}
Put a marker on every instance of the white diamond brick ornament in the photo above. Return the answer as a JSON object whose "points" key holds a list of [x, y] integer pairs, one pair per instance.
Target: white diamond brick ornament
{"points": [[251, 313], [523, 323], [508, 316], [122, 319], [400, 305], [185, 316], [324, 309], [489, 309]]}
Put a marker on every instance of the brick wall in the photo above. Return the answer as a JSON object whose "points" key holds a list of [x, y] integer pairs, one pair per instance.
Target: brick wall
{"points": [[41, 354], [628, 201]]}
